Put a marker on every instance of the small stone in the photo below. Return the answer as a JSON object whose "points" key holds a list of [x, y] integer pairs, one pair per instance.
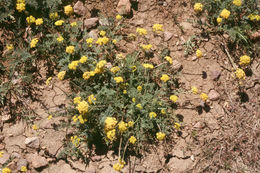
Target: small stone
{"points": [[4, 158], [179, 48], [124, 7], [33, 142], [213, 95], [199, 125], [103, 22], [138, 22], [192, 157], [20, 163], [176, 65], [194, 58], [79, 8], [37, 161], [93, 34], [186, 26], [16, 155], [90, 23], [215, 75], [167, 36]]}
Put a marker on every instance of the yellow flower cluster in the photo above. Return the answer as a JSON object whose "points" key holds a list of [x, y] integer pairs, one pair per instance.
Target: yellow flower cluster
{"points": [[114, 41], [219, 20], [115, 69], [118, 17], [20, 5], [152, 115], [10, 47], [1, 154], [73, 24], [49, 117], [119, 79], [6, 170], [82, 119], [39, 21], [102, 33], [111, 134], [34, 42], [30, 19], [198, 7], [70, 49], [73, 65], [130, 124], [118, 166], [133, 68], [237, 3], [177, 126], [139, 88], [174, 98], [225, 14], [163, 111], [165, 78], [75, 140], [110, 123], [254, 17], [169, 59], [199, 53], [88, 74], [89, 41], [240, 74], [204, 96], [91, 99], [54, 16], [68, 10], [244, 60], [132, 139], [194, 90], [82, 107], [102, 41], [160, 136], [146, 46], [59, 22], [83, 59], [23, 169], [157, 27], [61, 75], [139, 106], [77, 100], [122, 126], [60, 39], [35, 127], [48, 81], [149, 66], [141, 31]]}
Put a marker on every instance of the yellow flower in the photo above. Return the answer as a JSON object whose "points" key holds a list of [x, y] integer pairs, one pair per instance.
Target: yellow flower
{"points": [[75, 118], [114, 41], [194, 90], [54, 16], [130, 124], [163, 111], [75, 140], [150, 66], [133, 100], [152, 115], [77, 100], [219, 20], [115, 69], [169, 59], [30, 20], [39, 21], [20, 1], [81, 119], [59, 22], [244, 60], [240, 74], [83, 59], [82, 107], [34, 42], [133, 68], [20, 7], [89, 42], [35, 127], [118, 17], [253, 17], [110, 123], [118, 166], [160, 136], [91, 99], [101, 64], [141, 31], [122, 126], [70, 49], [139, 106], [60, 39], [102, 33], [132, 139], [49, 117], [199, 54], [6, 170], [119, 79], [177, 126], [1, 154], [68, 10], [102, 41], [157, 27], [111, 135], [10, 47], [174, 98], [146, 47], [165, 78], [237, 3], [139, 88], [23, 169], [73, 65], [124, 92], [198, 7], [225, 13], [87, 75], [204, 96], [73, 24], [61, 75]]}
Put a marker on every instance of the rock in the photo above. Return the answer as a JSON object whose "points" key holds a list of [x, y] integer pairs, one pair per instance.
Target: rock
{"points": [[61, 167], [32, 142], [194, 58], [215, 74], [79, 8], [16, 155], [179, 165], [52, 141], [124, 7], [90, 23], [138, 22], [167, 36], [15, 141], [199, 125], [213, 95], [178, 153], [176, 65], [4, 158], [179, 48], [78, 165], [37, 161], [20, 163], [186, 26], [15, 129], [93, 34], [103, 22]]}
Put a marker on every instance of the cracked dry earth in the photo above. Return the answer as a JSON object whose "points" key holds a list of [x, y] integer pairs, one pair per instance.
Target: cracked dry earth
{"points": [[39, 149]]}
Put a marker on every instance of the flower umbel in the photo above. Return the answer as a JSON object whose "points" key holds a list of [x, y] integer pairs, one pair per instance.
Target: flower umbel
{"points": [[198, 7], [204, 96], [225, 13], [61, 75], [244, 60], [240, 74], [160, 136], [132, 139], [174, 98], [165, 78]]}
